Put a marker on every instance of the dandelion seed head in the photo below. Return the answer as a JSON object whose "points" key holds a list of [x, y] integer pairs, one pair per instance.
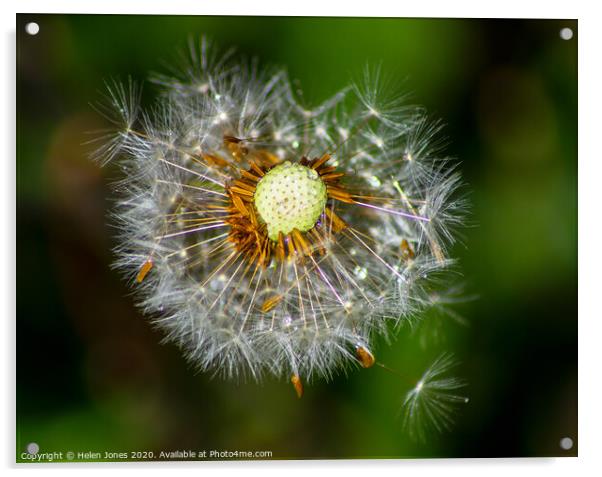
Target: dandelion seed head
{"points": [[267, 236]]}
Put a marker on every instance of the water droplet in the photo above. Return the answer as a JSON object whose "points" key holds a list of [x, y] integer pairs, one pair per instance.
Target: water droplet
{"points": [[375, 181], [360, 272]]}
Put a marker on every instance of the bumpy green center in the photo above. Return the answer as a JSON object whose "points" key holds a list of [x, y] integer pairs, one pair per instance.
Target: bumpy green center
{"points": [[290, 196]]}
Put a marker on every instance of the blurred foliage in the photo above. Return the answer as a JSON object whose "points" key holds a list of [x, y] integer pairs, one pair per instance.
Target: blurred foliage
{"points": [[92, 374]]}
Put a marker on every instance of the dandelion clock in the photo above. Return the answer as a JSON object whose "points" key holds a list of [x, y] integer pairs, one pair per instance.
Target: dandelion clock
{"points": [[265, 237]]}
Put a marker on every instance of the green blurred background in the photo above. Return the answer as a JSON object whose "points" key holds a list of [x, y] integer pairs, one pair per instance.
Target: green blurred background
{"points": [[92, 374]]}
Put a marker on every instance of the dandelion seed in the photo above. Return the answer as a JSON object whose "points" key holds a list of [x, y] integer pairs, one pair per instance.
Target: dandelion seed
{"points": [[432, 403], [366, 358], [298, 385], [257, 242]]}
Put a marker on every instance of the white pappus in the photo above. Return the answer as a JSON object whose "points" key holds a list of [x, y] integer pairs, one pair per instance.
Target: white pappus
{"points": [[267, 237]]}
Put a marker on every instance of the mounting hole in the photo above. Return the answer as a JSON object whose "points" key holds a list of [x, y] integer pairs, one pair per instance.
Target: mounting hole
{"points": [[566, 443], [566, 33], [33, 448], [32, 28]]}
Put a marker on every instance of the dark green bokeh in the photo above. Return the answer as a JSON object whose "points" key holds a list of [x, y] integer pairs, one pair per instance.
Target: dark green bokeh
{"points": [[91, 374]]}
